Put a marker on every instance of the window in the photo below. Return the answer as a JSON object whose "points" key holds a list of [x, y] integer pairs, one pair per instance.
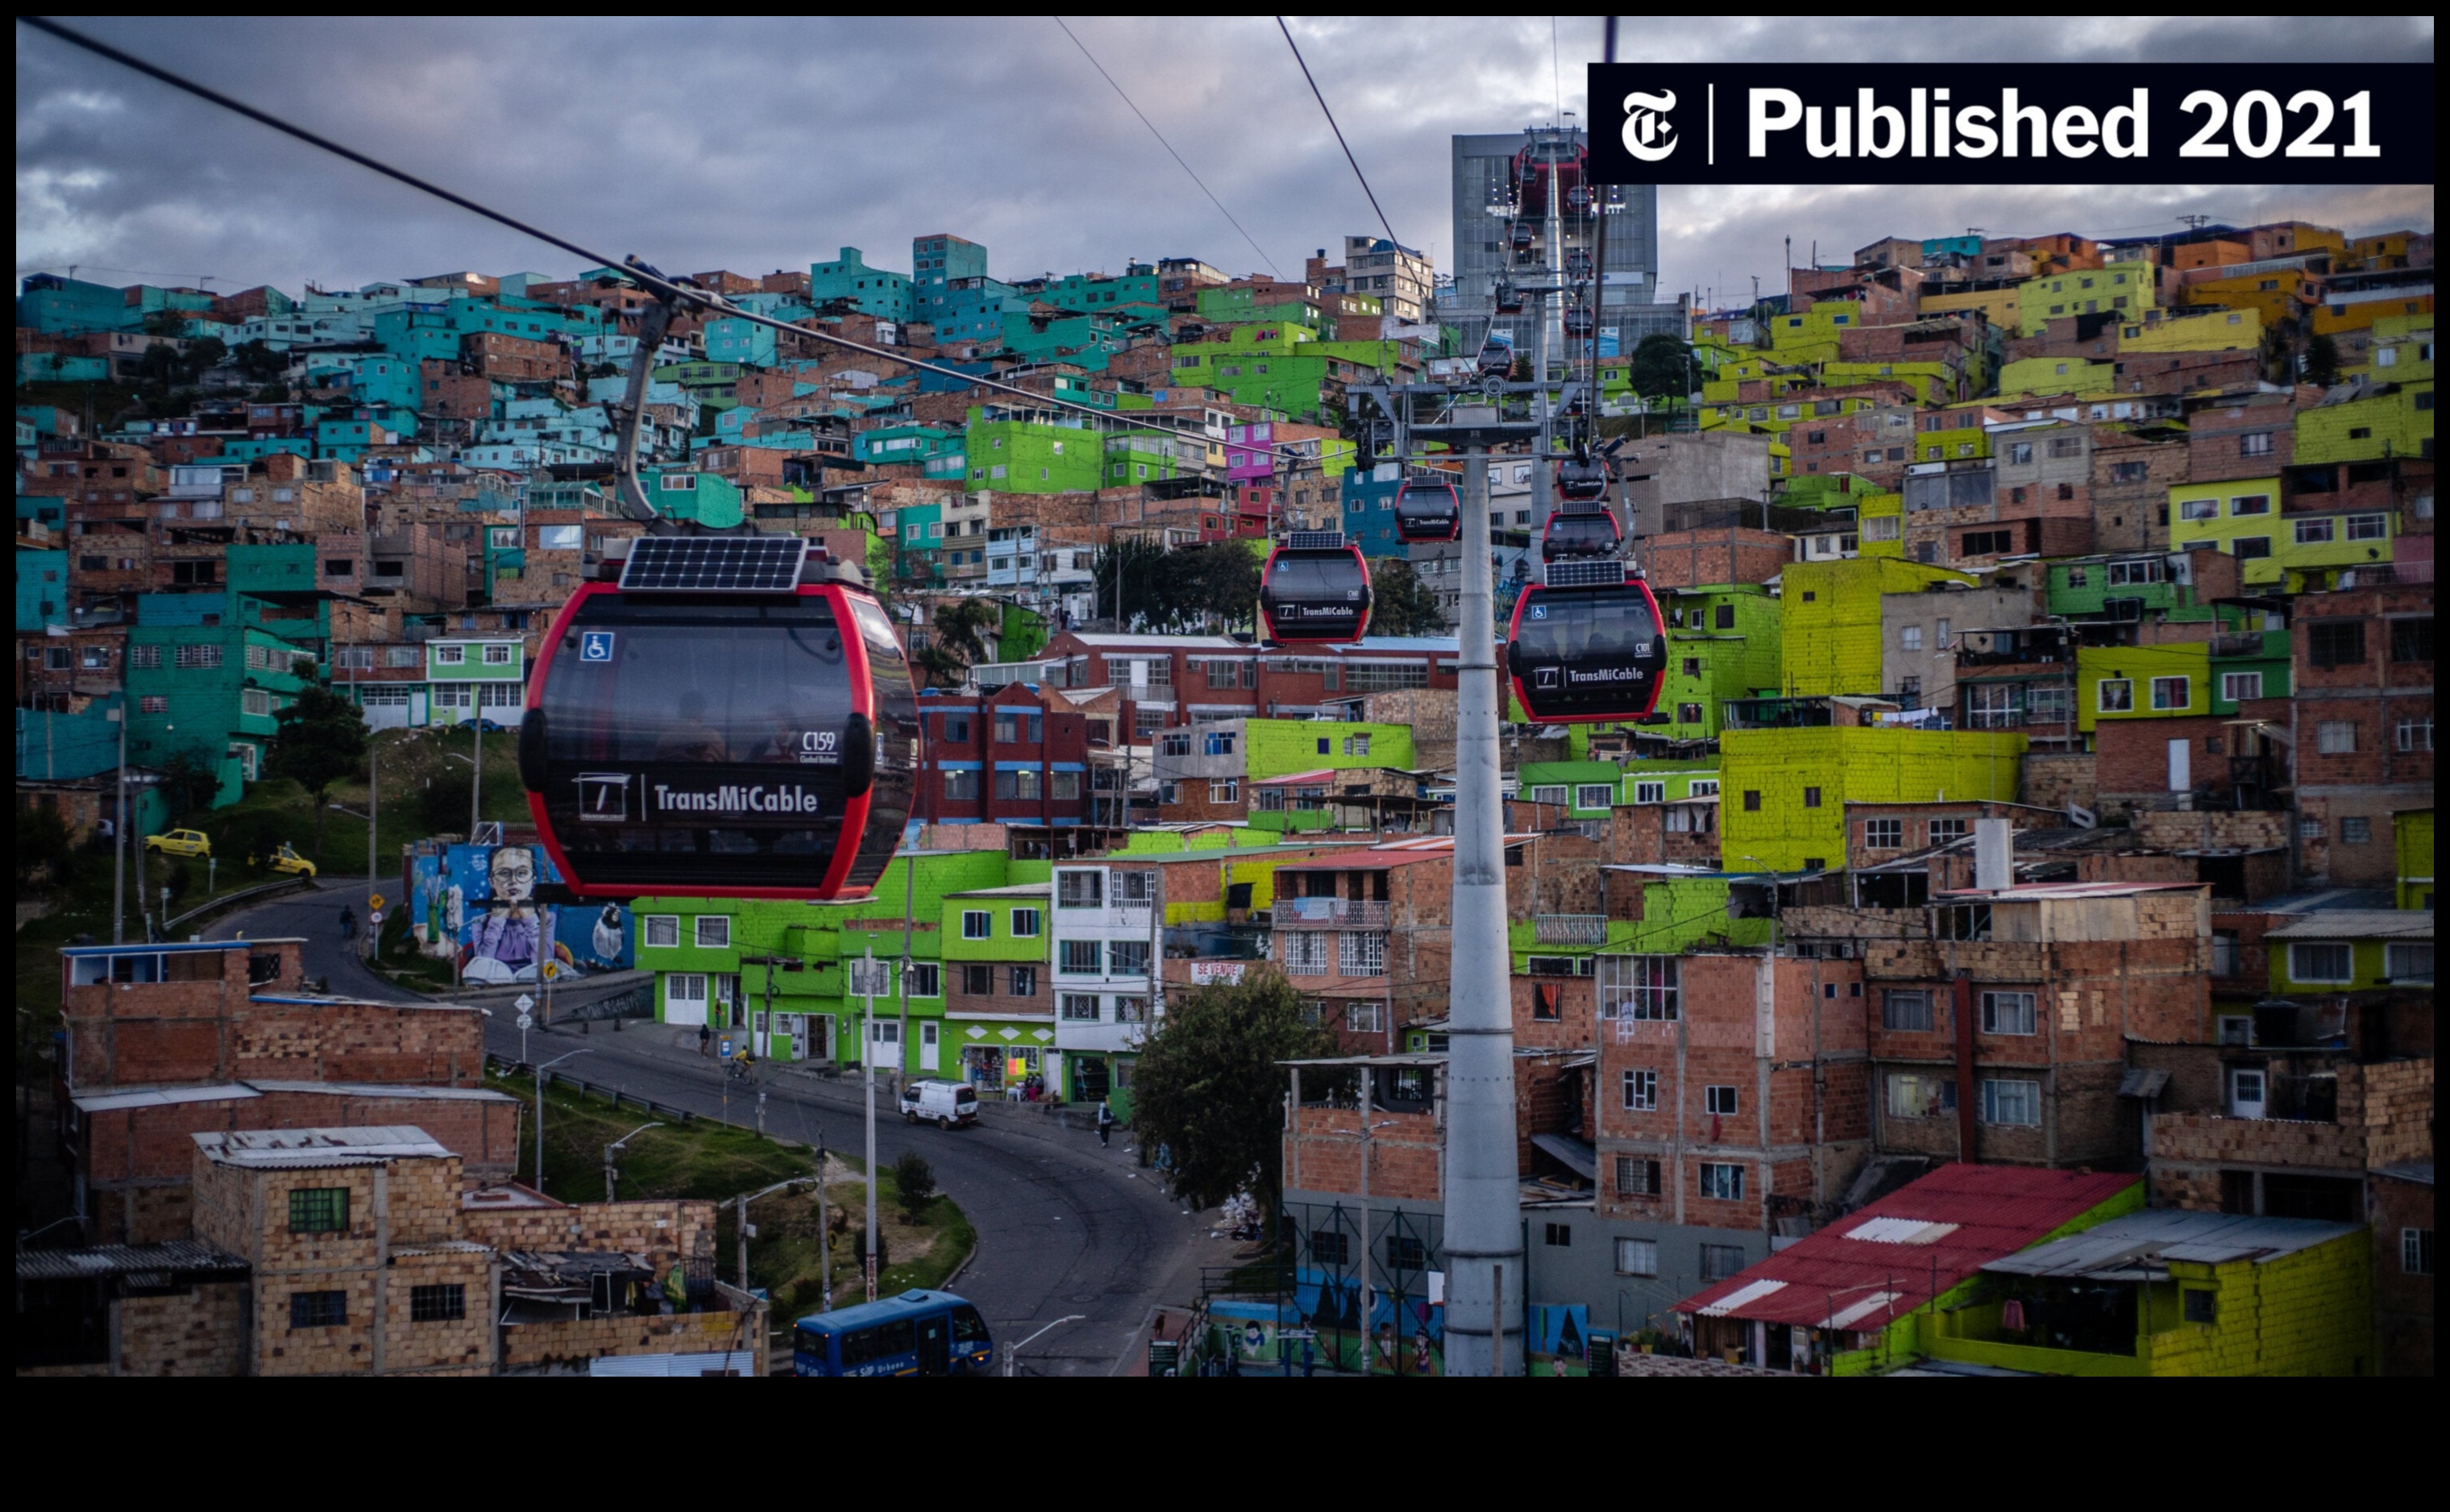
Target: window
{"points": [[2117, 695], [2172, 692], [2007, 1012], [2368, 526], [2011, 1102], [1812, 798], [714, 931], [2199, 509], [450, 655], [1989, 543], [1080, 1007], [2409, 963], [1557, 1235], [1703, 788], [1024, 981], [2335, 737], [962, 784], [1019, 785], [2415, 1251], [319, 1209], [1024, 923], [926, 979], [1642, 792], [2411, 640], [2200, 1305], [978, 925], [2312, 532], [1356, 744], [1641, 1091], [2414, 734], [1905, 1010], [1305, 953], [1884, 833], [1365, 1017], [318, 1310], [1362, 954], [1594, 795], [1721, 1261], [2250, 504], [662, 931], [1127, 957], [437, 1304], [1550, 795], [2254, 443], [977, 981], [1080, 889], [1640, 1258], [2336, 642], [2239, 687], [1752, 800], [1080, 957], [160, 704], [194, 657], [1909, 638], [2250, 548], [1722, 1179], [1640, 987], [1920, 1095], [2321, 960], [1720, 1100]]}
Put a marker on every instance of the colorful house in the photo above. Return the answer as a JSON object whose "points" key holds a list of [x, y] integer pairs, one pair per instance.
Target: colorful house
{"points": [[1785, 791]]}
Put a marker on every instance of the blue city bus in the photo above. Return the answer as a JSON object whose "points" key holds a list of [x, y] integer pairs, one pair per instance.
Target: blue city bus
{"points": [[916, 1333]]}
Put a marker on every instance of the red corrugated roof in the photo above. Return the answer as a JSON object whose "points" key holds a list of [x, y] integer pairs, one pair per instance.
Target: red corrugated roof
{"points": [[1996, 1211]]}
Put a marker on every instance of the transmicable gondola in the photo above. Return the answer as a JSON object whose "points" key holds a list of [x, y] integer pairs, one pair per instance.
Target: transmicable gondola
{"points": [[1576, 533], [1585, 645], [1316, 589], [1428, 510], [730, 717], [1581, 478]]}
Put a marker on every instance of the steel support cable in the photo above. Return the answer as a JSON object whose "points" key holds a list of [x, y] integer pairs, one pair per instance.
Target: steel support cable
{"points": [[1338, 130], [643, 274], [1168, 146]]}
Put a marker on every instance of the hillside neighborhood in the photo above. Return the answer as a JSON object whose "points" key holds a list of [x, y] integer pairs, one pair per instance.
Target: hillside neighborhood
{"points": [[2007, 947]]}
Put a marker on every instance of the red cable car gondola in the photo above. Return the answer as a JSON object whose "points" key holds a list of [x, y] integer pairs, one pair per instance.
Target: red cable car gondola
{"points": [[1506, 298], [1573, 534], [1586, 646], [1581, 478], [1316, 589], [730, 718], [1427, 509], [1521, 236]]}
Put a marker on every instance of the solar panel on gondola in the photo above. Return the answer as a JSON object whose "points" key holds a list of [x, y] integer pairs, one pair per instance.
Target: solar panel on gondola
{"points": [[731, 719], [1586, 646], [713, 564]]}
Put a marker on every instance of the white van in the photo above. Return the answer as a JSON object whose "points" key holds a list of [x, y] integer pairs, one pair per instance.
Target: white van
{"points": [[944, 1104]]}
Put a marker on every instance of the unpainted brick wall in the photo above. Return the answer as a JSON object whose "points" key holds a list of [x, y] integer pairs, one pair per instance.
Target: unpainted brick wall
{"points": [[198, 1332]]}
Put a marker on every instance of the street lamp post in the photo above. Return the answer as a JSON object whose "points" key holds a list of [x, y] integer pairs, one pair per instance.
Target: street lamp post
{"points": [[612, 1173], [1012, 1355], [539, 1111]]}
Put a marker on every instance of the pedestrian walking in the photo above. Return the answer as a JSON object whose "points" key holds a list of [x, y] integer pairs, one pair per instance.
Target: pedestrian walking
{"points": [[348, 923], [705, 1040], [1105, 1123]]}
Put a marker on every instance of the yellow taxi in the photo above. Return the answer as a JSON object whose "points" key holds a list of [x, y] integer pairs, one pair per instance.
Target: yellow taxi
{"points": [[180, 843], [289, 862]]}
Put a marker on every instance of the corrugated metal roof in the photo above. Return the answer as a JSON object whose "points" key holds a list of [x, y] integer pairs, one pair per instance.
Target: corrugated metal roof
{"points": [[122, 1259], [1959, 1218], [296, 1149], [2359, 923], [2139, 1246], [161, 1097]]}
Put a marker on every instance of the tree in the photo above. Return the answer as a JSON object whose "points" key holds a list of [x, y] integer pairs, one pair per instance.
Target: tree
{"points": [[2322, 359], [938, 666], [914, 1185], [1400, 603], [323, 738], [445, 802], [41, 844], [188, 783], [1128, 575], [1210, 1086], [1661, 367], [963, 625], [259, 363]]}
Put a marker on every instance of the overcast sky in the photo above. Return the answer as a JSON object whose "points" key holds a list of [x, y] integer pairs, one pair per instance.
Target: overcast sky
{"points": [[756, 144]]}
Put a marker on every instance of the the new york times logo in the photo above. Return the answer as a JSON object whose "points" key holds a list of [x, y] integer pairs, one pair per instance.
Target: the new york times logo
{"points": [[1650, 134], [2053, 124]]}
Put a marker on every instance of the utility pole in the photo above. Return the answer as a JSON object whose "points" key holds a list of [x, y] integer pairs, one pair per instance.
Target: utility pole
{"points": [[868, 1059], [539, 1111], [902, 1048], [476, 773], [1483, 1231], [373, 915]]}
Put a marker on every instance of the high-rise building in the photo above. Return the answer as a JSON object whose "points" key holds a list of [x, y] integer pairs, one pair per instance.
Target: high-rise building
{"points": [[1490, 203]]}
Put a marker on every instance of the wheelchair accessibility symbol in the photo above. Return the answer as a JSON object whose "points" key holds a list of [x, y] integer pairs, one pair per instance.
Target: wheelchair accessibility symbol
{"points": [[595, 646], [1538, 612]]}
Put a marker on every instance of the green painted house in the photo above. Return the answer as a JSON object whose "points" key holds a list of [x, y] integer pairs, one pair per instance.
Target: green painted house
{"points": [[1723, 642]]}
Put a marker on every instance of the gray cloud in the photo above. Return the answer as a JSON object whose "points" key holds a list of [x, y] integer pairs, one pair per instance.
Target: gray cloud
{"points": [[761, 144]]}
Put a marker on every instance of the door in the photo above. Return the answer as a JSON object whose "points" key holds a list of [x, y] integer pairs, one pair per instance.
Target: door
{"points": [[727, 1009], [936, 1346], [799, 1036], [2249, 1092], [685, 997], [2181, 766], [818, 1036], [927, 1048], [883, 1039]]}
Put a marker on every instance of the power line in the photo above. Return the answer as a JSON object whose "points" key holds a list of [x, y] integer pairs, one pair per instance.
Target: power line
{"points": [[1168, 146], [1338, 130], [637, 272]]}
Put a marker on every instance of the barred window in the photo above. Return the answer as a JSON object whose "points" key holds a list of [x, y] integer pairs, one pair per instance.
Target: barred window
{"points": [[198, 656], [1378, 677], [1127, 957], [1080, 1007], [1637, 1176], [1080, 957], [1362, 954], [437, 1304], [319, 1209], [1305, 953], [318, 1310], [1639, 987]]}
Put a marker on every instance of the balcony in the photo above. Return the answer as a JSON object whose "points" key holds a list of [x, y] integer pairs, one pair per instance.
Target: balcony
{"points": [[1569, 929], [1003, 674], [1329, 913], [2386, 574]]}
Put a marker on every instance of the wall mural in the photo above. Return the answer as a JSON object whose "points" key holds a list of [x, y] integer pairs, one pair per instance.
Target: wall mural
{"points": [[478, 902]]}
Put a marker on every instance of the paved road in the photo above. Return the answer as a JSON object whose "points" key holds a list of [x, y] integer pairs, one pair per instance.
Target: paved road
{"points": [[1063, 1227]]}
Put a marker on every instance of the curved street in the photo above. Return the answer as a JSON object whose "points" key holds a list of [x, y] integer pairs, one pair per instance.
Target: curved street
{"points": [[1062, 1227]]}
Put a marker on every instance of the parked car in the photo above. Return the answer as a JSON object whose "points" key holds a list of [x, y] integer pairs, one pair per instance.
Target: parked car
{"points": [[944, 1103], [180, 843], [288, 861]]}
